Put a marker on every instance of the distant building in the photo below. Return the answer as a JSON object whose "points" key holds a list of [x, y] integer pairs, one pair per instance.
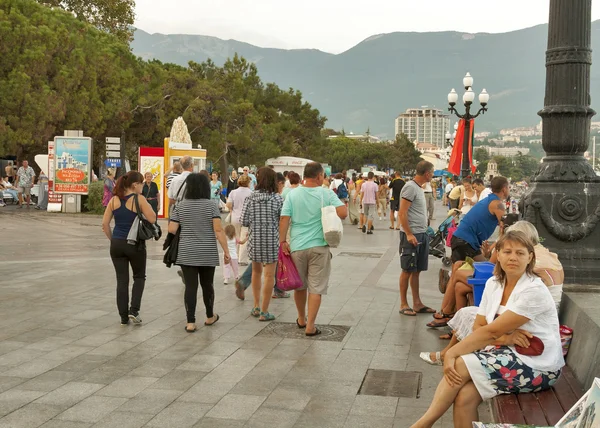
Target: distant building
{"points": [[505, 151], [425, 125], [492, 170]]}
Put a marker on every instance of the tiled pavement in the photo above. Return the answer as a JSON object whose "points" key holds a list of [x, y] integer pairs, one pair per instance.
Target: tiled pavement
{"points": [[65, 362]]}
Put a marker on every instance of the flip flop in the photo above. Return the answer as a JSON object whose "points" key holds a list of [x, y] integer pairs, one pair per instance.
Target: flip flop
{"points": [[405, 310], [426, 310], [441, 315], [298, 324], [427, 358], [190, 331], [392, 228], [316, 333], [212, 323], [447, 336], [437, 323]]}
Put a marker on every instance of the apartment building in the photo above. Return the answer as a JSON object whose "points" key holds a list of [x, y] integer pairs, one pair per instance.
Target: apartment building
{"points": [[424, 125]]}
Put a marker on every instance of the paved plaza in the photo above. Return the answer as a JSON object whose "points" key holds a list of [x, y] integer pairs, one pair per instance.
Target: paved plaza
{"points": [[65, 361]]}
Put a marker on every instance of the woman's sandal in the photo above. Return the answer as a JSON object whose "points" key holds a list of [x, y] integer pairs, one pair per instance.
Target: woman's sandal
{"points": [[190, 330], [425, 356], [315, 333], [441, 315], [438, 323], [447, 336], [212, 323], [266, 316], [255, 312]]}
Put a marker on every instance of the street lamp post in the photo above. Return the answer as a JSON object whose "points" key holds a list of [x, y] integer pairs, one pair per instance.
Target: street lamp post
{"points": [[468, 98], [564, 199]]}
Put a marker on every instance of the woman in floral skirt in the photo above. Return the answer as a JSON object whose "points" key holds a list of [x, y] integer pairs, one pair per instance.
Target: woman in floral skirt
{"points": [[516, 311]]}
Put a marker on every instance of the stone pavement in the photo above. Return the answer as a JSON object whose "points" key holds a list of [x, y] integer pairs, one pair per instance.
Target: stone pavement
{"points": [[65, 362]]}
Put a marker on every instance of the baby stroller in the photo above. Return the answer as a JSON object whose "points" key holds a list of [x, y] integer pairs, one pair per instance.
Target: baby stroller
{"points": [[437, 239]]}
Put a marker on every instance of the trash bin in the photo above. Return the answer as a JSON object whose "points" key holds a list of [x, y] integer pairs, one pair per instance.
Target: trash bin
{"points": [[483, 272]]}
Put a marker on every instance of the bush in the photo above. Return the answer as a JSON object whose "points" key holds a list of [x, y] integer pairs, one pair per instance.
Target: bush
{"points": [[94, 199]]}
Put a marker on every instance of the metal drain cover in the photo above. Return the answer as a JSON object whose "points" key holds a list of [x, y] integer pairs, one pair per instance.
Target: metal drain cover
{"points": [[288, 330], [362, 255], [391, 383]]}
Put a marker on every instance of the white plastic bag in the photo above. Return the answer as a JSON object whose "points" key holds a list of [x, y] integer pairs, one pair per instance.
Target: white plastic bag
{"points": [[333, 229]]}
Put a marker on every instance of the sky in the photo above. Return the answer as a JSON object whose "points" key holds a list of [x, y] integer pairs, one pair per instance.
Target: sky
{"points": [[334, 25]]}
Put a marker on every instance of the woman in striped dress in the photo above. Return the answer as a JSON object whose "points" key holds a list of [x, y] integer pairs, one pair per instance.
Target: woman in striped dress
{"points": [[200, 223], [260, 215]]}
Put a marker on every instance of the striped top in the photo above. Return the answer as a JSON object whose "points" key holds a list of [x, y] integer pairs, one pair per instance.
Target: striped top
{"points": [[170, 178], [197, 241]]}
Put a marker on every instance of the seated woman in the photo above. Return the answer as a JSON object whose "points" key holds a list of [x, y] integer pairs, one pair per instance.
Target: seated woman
{"points": [[547, 267], [516, 307]]}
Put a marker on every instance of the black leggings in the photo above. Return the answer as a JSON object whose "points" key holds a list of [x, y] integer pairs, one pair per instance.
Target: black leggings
{"points": [[123, 255], [191, 275]]}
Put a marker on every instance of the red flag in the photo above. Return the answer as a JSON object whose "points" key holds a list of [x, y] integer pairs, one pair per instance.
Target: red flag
{"points": [[455, 164], [457, 149], [472, 129]]}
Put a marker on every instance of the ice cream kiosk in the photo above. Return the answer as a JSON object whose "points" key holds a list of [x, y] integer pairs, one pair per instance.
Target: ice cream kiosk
{"points": [[158, 160]]}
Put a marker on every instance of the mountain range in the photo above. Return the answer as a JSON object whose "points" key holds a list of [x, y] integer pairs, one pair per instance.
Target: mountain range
{"points": [[367, 86]]}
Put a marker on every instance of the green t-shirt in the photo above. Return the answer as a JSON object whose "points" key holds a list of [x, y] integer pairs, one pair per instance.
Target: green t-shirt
{"points": [[303, 206]]}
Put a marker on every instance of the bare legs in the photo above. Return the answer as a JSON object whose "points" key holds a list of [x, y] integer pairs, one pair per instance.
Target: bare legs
{"points": [[412, 279], [314, 303], [462, 289], [267, 289], [392, 219], [462, 396]]}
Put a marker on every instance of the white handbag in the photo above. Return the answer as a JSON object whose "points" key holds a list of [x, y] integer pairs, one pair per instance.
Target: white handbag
{"points": [[333, 229]]}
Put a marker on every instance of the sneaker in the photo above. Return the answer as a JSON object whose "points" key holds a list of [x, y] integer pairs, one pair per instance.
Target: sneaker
{"points": [[180, 273], [135, 317], [364, 229], [380, 219], [370, 232], [124, 321], [225, 280]]}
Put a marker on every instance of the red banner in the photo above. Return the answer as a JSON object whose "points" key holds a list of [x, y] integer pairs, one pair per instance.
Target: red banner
{"points": [[455, 163]]}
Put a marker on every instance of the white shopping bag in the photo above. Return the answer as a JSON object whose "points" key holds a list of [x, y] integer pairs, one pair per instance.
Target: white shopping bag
{"points": [[333, 229]]}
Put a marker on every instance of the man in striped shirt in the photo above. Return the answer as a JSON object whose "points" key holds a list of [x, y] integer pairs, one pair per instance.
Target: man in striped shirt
{"points": [[172, 173]]}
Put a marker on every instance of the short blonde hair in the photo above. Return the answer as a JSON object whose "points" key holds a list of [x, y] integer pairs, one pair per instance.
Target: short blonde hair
{"points": [[243, 181], [528, 229]]}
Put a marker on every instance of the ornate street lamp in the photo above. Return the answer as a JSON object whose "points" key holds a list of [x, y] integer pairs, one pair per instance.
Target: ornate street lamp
{"points": [[468, 98], [448, 137], [564, 200]]}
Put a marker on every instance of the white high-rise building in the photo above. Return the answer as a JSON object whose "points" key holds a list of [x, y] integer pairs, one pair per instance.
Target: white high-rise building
{"points": [[424, 125]]}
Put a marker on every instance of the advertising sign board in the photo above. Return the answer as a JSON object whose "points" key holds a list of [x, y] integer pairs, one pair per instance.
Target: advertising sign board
{"points": [[72, 164]]}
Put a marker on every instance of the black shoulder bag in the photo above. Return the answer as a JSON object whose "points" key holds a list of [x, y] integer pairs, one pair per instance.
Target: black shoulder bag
{"points": [[146, 230]]}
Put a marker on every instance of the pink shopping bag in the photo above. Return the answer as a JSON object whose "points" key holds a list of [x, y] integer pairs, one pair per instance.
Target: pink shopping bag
{"points": [[287, 275]]}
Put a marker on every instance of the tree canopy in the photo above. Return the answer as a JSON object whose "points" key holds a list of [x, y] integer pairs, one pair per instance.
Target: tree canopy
{"points": [[58, 71], [113, 16]]}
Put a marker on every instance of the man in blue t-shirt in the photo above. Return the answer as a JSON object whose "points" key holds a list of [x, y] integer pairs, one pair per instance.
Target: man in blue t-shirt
{"points": [[479, 223], [307, 246]]}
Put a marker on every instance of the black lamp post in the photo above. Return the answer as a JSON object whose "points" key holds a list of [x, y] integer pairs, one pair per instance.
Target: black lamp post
{"points": [[564, 200], [468, 98]]}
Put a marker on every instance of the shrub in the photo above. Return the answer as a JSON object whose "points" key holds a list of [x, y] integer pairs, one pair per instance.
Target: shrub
{"points": [[94, 199]]}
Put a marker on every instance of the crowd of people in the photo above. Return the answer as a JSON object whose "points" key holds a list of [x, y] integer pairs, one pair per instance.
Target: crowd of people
{"points": [[491, 348]]}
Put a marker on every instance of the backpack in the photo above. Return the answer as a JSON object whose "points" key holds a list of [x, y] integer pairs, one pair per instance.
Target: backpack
{"points": [[342, 191]]}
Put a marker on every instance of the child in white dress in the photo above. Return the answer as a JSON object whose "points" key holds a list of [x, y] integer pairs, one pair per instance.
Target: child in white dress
{"points": [[232, 269]]}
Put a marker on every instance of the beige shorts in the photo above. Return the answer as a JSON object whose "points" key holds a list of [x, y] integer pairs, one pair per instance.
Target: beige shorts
{"points": [[24, 190], [314, 267]]}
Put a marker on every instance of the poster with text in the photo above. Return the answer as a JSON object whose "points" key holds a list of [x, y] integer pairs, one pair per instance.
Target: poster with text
{"points": [[72, 164]]}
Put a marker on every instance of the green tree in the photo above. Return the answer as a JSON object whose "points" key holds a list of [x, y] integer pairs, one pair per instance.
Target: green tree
{"points": [[113, 16]]}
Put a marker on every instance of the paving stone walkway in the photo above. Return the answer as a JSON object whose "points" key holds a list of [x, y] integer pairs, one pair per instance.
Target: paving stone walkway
{"points": [[65, 362]]}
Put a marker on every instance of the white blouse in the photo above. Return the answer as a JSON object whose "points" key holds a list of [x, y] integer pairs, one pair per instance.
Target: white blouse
{"points": [[531, 299]]}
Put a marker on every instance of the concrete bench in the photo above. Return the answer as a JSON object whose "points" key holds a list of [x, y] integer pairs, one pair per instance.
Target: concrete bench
{"points": [[544, 408]]}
